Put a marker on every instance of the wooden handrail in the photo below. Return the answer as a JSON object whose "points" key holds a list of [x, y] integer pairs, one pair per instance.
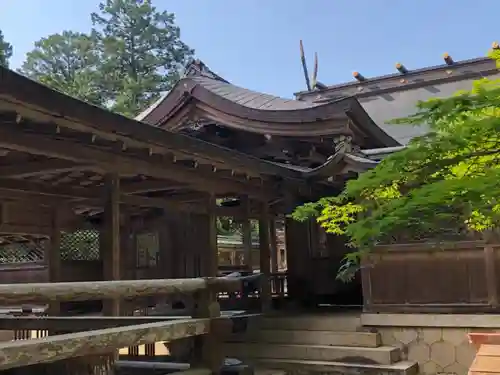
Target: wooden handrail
{"points": [[55, 348], [12, 294]]}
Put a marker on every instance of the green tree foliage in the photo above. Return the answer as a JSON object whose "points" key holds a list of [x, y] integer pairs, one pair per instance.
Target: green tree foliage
{"points": [[67, 62], [142, 53], [227, 226], [446, 181], [5, 51]]}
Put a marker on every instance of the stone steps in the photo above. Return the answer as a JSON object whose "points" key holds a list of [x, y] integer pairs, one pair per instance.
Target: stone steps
{"points": [[298, 367], [332, 338], [325, 344], [320, 322], [247, 351]]}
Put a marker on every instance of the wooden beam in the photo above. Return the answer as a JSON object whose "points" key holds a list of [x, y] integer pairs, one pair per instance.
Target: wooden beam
{"points": [[36, 168], [55, 348], [149, 186], [90, 196], [25, 229], [77, 323], [42, 103], [14, 294], [94, 197], [90, 322], [126, 164]]}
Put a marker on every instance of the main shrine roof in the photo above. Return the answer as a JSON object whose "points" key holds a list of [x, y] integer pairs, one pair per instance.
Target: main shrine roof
{"points": [[239, 108]]}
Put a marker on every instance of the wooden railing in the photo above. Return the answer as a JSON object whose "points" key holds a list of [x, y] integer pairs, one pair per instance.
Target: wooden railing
{"points": [[279, 284], [248, 298], [117, 332]]}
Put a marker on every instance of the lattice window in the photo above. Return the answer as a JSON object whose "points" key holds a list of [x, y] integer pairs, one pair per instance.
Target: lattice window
{"points": [[80, 245], [22, 252], [148, 249]]}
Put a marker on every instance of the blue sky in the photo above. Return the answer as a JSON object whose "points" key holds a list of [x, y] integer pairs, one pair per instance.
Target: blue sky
{"points": [[255, 43]]}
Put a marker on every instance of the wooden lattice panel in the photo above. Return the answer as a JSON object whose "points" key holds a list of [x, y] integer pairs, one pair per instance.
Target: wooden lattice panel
{"points": [[80, 245]]}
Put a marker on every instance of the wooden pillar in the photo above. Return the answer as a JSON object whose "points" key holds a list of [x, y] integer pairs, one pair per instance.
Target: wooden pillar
{"points": [[53, 256], [247, 234], [490, 260], [274, 246], [265, 258], [128, 257], [110, 238], [166, 248], [213, 252], [208, 348]]}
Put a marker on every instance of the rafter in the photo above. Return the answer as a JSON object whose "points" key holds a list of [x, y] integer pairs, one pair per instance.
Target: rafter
{"points": [[126, 164], [149, 186], [45, 194]]}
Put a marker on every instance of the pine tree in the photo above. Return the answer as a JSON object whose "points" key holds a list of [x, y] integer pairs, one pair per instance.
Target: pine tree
{"points": [[5, 51], [142, 53], [67, 62]]}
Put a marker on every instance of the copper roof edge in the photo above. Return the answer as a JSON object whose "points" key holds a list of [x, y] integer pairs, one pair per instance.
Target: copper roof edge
{"points": [[408, 75]]}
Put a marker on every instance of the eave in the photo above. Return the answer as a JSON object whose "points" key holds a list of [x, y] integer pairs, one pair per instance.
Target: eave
{"points": [[34, 100], [194, 98]]}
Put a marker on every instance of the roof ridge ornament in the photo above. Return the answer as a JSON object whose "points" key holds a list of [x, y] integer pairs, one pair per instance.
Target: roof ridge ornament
{"points": [[311, 83], [197, 68], [343, 142]]}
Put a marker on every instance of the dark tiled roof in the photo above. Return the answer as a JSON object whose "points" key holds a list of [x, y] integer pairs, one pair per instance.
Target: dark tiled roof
{"points": [[249, 98]]}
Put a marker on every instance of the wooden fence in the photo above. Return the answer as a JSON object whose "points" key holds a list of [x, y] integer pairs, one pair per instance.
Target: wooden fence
{"points": [[447, 277]]}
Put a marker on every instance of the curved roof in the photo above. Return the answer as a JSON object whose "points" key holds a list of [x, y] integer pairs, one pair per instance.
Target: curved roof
{"points": [[240, 108]]}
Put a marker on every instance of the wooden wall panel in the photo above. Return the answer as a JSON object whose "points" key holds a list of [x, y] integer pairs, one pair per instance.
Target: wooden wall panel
{"points": [[427, 277]]}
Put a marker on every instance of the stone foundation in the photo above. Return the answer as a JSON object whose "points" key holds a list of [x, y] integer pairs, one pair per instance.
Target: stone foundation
{"points": [[439, 343]]}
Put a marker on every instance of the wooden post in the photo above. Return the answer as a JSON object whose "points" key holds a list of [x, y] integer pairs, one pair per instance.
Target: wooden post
{"points": [[265, 255], [491, 274], [208, 348], [110, 239], [53, 256], [247, 234], [213, 256], [128, 257], [110, 255], [274, 246]]}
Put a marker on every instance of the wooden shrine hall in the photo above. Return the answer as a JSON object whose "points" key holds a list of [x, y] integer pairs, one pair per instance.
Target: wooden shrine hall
{"points": [[68, 168], [121, 213], [74, 177], [71, 168]]}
